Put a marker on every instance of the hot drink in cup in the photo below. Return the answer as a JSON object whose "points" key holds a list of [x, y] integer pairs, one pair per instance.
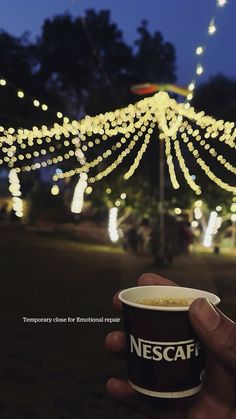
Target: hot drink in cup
{"points": [[165, 357]]}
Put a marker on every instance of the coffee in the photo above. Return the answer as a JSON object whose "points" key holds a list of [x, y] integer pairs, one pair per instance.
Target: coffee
{"points": [[166, 302], [165, 358]]}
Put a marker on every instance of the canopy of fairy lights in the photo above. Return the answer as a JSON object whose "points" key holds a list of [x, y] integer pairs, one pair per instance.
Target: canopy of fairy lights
{"points": [[124, 131], [96, 146]]}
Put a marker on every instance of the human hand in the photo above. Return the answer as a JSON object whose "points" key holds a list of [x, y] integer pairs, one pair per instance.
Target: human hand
{"points": [[217, 399]]}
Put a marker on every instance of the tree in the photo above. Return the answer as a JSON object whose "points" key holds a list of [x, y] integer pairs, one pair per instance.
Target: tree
{"points": [[154, 60], [83, 66], [217, 97], [91, 64], [75, 54], [15, 60], [93, 69], [19, 67]]}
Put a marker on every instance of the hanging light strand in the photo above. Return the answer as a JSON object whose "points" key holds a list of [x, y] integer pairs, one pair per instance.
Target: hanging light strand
{"points": [[169, 160], [200, 51], [196, 188], [14, 188], [23, 95]]}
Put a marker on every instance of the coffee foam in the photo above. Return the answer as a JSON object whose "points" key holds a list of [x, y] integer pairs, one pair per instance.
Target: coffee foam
{"points": [[166, 302]]}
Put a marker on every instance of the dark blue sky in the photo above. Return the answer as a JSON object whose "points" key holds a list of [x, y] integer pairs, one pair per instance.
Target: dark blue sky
{"points": [[182, 22]]}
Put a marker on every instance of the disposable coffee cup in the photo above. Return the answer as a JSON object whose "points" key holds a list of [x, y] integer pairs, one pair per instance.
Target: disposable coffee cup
{"points": [[165, 357]]}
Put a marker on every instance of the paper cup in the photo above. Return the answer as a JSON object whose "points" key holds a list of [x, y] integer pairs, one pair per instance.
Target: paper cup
{"points": [[165, 357]]}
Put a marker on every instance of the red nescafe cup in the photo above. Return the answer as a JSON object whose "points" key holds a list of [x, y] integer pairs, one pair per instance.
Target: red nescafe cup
{"points": [[165, 357]]}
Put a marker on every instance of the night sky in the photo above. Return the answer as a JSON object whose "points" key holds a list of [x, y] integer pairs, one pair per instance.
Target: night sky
{"points": [[182, 22]]}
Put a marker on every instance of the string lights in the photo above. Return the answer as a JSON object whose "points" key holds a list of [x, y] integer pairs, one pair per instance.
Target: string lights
{"points": [[55, 190], [121, 132], [169, 160], [20, 94], [200, 51], [112, 224], [78, 198], [14, 188], [207, 242]]}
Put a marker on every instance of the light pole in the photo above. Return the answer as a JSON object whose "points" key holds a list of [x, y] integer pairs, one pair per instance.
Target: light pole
{"points": [[161, 201]]}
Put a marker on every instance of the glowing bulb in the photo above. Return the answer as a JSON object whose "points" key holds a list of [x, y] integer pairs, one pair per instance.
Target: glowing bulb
{"points": [[177, 211], [199, 50], [194, 224], [58, 171], [108, 191], [198, 203], [59, 115], [3, 82], [233, 218], [191, 86], [218, 208], [233, 207], [36, 103], [199, 69], [123, 196], [20, 94], [55, 190], [44, 107], [212, 27], [221, 3], [88, 190]]}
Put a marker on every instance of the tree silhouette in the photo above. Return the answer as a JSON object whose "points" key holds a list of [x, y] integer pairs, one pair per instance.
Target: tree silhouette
{"points": [[217, 97], [87, 60], [154, 59], [82, 65]]}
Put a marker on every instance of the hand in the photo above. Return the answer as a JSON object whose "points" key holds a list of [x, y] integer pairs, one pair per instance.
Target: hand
{"points": [[217, 399]]}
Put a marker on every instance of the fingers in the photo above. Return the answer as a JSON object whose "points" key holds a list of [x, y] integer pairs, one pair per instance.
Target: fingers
{"points": [[144, 279], [127, 396], [218, 334], [217, 331], [149, 407], [115, 343], [153, 279], [117, 304], [217, 396], [119, 389]]}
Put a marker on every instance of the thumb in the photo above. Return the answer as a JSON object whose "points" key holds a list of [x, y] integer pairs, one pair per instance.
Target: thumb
{"points": [[216, 330]]}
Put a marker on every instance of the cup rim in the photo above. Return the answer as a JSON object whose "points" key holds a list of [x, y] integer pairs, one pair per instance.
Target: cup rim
{"points": [[213, 298]]}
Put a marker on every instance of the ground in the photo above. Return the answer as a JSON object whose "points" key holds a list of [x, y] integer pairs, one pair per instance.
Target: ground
{"points": [[58, 371]]}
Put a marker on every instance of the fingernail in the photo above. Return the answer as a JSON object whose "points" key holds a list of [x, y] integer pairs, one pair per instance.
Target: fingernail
{"points": [[207, 316]]}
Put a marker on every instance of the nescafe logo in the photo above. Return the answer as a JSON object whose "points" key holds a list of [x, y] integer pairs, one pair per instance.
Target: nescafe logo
{"points": [[164, 351]]}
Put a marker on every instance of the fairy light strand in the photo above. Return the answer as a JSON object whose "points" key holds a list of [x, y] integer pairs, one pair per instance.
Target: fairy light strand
{"points": [[14, 188], [120, 131], [200, 51]]}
